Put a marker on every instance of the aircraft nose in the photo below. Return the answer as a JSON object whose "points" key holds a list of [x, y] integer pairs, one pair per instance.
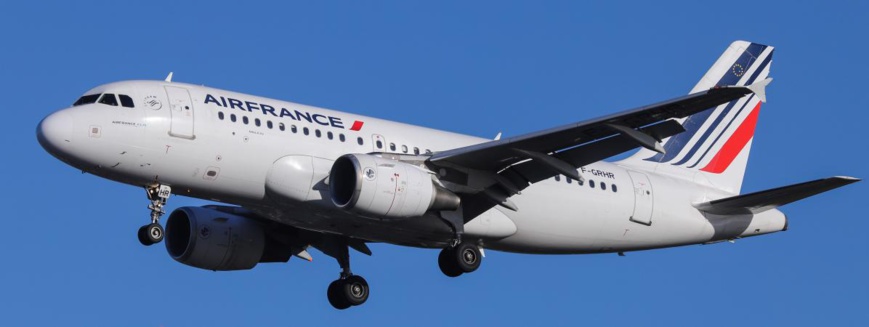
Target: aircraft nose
{"points": [[55, 132]]}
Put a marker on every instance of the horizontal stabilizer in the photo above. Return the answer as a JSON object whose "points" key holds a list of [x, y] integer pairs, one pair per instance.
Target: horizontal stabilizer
{"points": [[764, 200]]}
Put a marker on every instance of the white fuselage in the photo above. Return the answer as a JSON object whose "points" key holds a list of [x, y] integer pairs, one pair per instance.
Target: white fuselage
{"points": [[186, 144]]}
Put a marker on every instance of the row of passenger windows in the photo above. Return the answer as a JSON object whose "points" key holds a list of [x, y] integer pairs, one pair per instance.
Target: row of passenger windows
{"points": [[270, 125], [106, 98], [306, 131], [591, 183], [404, 148]]}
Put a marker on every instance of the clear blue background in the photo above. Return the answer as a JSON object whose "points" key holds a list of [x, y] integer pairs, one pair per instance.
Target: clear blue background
{"points": [[69, 251]]}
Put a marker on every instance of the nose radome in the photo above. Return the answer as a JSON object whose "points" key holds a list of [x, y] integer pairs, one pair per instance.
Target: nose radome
{"points": [[55, 132]]}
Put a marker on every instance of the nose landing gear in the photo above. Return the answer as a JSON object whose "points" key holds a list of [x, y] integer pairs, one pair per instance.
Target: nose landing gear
{"points": [[153, 233]]}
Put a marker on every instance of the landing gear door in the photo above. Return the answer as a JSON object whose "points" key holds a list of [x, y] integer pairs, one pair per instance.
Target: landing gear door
{"points": [[181, 109], [643, 199]]}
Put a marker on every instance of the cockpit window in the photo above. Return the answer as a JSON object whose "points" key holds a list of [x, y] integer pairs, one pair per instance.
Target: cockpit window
{"points": [[87, 99], [126, 100], [109, 99]]}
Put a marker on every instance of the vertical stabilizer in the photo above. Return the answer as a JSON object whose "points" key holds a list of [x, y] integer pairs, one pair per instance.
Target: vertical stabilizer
{"points": [[714, 148]]}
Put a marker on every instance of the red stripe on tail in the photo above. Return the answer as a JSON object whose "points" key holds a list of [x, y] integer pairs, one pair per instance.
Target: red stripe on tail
{"points": [[734, 145]]}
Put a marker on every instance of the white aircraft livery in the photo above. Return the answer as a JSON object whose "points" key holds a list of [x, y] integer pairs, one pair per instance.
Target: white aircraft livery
{"points": [[296, 176]]}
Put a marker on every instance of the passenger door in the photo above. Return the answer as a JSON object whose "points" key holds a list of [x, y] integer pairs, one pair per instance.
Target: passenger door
{"points": [[181, 110], [643, 199]]}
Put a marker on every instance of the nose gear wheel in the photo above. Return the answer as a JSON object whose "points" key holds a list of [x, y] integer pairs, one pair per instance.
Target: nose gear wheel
{"points": [[153, 233]]}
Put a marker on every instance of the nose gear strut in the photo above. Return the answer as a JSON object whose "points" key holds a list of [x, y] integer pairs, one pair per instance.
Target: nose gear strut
{"points": [[153, 233]]}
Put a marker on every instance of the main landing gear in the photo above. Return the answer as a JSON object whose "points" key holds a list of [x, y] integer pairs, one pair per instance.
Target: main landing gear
{"points": [[462, 258], [348, 290], [153, 233]]}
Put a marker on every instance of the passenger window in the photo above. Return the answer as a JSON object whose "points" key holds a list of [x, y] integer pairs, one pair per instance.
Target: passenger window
{"points": [[305, 131], [341, 137], [392, 147], [603, 186], [245, 120], [317, 132], [126, 101], [379, 144], [220, 115], [415, 151], [257, 122], [329, 135], [427, 151], [614, 188], [591, 183], [404, 148], [294, 129], [557, 178], [568, 179], [360, 141], [87, 99], [109, 99], [269, 124], [579, 182], [282, 127], [232, 117]]}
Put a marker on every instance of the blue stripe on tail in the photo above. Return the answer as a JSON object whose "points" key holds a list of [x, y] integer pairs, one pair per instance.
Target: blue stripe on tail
{"points": [[692, 125]]}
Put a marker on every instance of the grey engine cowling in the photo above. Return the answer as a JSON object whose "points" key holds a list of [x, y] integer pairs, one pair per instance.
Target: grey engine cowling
{"points": [[377, 186]]}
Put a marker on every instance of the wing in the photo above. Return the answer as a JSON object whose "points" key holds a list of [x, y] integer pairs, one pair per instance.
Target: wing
{"points": [[496, 155], [516, 162]]}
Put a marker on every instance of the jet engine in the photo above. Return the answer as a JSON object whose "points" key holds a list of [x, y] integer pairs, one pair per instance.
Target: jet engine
{"points": [[210, 239], [383, 187]]}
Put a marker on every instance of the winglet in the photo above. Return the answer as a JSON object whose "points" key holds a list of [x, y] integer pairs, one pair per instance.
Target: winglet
{"points": [[759, 88], [169, 77]]}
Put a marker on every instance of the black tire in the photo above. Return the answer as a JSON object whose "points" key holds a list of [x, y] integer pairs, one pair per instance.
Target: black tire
{"points": [[468, 257], [355, 290], [143, 236], [154, 232], [336, 299], [447, 263]]}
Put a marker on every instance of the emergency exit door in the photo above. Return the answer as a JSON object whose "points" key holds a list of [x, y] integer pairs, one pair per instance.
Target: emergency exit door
{"points": [[378, 142], [643, 199], [181, 111]]}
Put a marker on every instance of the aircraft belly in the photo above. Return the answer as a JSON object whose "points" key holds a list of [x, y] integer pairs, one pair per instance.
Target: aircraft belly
{"points": [[427, 231], [557, 217]]}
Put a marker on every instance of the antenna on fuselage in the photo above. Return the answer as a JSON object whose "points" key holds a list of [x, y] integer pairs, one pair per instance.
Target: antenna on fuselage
{"points": [[169, 78]]}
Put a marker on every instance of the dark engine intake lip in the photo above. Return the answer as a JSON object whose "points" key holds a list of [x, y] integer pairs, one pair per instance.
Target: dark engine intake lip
{"points": [[345, 181], [179, 234]]}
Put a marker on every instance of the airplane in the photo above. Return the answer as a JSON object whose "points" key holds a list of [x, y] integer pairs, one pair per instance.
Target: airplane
{"points": [[294, 176]]}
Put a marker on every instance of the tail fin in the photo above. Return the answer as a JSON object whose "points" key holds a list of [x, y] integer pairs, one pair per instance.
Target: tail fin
{"points": [[714, 148]]}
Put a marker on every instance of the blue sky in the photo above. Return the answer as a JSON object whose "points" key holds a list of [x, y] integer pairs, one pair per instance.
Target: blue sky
{"points": [[70, 252]]}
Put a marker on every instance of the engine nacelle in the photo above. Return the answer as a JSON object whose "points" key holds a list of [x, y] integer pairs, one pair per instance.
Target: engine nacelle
{"points": [[213, 240], [383, 187]]}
